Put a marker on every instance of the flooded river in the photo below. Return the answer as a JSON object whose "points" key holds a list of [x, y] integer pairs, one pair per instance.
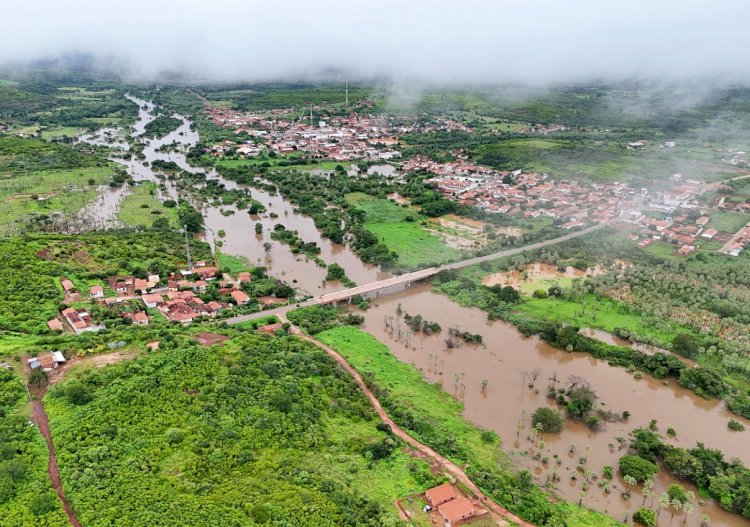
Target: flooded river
{"points": [[502, 362], [461, 371]]}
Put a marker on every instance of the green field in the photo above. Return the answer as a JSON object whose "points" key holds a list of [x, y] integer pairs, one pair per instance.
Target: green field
{"points": [[234, 264], [596, 312], [47, 192], [141, 207], [727, 221], [434, 417], [415, 246]]}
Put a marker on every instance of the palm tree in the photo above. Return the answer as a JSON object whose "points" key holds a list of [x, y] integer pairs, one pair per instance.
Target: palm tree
{"points": [[688, 508], [648, 491]]}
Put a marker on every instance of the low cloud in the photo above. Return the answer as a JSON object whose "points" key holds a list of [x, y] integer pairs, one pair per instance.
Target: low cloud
{"points": [[533, 42]]}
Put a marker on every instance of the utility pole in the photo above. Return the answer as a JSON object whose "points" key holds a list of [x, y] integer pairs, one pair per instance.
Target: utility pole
{"points": [[311, 117], [346, 89], [187, 250]]}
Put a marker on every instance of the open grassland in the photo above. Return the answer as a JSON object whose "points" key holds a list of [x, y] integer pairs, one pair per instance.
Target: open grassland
{"points": [[435, 418], [415, 246], [596, 312], [46, 192], [727, 221], [141, 207]]}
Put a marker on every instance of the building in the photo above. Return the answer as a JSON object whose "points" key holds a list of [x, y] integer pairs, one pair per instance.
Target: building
{"points": [[79, 320], [240, 297], [151, 300], [96, 291], [55, 325], [67, 285], [457, 510], [440, 494], [271, 328]]}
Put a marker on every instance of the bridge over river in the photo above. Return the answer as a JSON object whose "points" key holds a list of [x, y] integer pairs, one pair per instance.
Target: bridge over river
{"points": [[407, 279]]}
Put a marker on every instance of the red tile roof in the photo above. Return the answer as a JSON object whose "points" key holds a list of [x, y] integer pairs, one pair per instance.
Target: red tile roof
{"points": [[441, 494]]}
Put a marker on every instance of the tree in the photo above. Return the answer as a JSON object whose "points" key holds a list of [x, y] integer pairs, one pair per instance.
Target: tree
{"points": [[267, 246], [77, 393], [550, 420], [682, 464], [258, 228], [43, 503], [638, 468], [38, 377], [686, 345], [645, 517]]}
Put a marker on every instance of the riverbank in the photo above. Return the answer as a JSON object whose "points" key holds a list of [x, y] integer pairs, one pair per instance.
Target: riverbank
{"points": [[431, 416]]}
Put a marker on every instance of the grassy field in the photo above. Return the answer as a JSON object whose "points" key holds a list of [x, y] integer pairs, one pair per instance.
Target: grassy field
{"points": [[727, 221], [440, 414], [141, 207], [409, 239], [46, 192], [234, 264], [600, 313]]}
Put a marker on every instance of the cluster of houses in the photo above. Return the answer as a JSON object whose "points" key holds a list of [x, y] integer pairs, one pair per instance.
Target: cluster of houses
{"points": [[176, 297], [340, 138], [452, 506], [529, 195]]}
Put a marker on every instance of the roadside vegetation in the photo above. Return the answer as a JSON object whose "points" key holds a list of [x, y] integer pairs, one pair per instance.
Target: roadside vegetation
{"points": [[433, 417]]}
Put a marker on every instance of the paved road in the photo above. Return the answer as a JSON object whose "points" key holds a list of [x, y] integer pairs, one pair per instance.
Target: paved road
{"points": [[426, 273]]}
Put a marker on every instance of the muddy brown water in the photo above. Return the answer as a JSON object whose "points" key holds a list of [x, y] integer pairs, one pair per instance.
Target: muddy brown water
{"points": [[506, 354], [240, 238], [502, 360]]}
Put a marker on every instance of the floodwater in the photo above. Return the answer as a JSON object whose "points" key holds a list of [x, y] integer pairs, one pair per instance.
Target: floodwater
{"points": [[507, 398], [240, 238], [501, 361]]}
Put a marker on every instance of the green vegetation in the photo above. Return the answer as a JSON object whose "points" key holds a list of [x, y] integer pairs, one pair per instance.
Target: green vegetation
{"points": [[728, 482], [233, 264], [296, 244], [41, 179], [727, 221], [26, 495], [547, 420], [161, 126], [404, 231], [315, 319], [433, 417], [645, 517], [142, 207], [26, 304], [637, 468], [262, 429]]}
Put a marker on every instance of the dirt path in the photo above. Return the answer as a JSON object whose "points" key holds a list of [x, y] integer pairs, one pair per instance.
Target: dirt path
{"points": [[438, 459], [40, 417]]}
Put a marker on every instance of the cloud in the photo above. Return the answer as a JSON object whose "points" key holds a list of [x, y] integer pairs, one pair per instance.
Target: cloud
{"points": [[425, 41]]}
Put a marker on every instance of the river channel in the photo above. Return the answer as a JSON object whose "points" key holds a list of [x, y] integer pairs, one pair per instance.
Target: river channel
{"points": [[501, 361]]}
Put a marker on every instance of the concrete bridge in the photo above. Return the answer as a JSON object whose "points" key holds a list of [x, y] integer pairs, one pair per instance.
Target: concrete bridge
{"points": [[409, 278]]}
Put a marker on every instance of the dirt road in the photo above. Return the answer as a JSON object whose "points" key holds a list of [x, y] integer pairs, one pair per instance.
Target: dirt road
{"points": [[445, 463], [40, 418]]}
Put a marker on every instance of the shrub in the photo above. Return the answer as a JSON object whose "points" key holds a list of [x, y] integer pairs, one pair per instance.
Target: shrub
{"points": [[550, 420], [638, 468], [645, 517]]}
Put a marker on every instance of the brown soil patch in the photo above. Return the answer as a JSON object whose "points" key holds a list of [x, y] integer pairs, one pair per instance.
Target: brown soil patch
{"points": [[210, 339]]}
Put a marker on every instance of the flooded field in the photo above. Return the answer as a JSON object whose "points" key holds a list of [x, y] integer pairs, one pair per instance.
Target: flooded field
{"points": [[502, 362], [507, 355]]}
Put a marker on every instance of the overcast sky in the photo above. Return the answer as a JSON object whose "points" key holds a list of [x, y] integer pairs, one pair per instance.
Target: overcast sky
{"points": [[466, 41]]}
